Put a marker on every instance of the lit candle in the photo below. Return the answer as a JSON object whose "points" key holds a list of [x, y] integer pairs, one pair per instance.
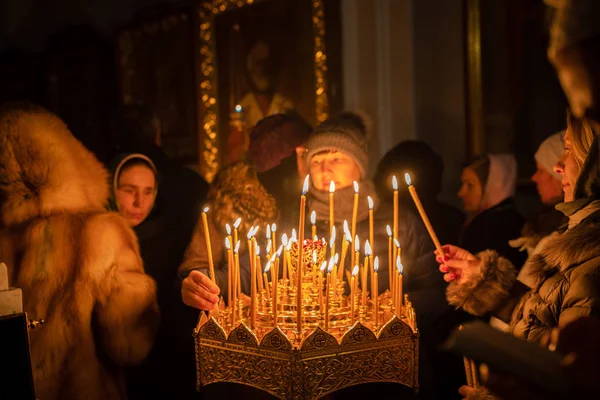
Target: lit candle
{"points": [[371, 233], [274, 232], [313, 224], [284, 241], [400, 268], [236, 225], [236, 279], [211, 265], [327, 289], [314, 268], [334, 273], [230, 270], [276, 287], [390, 259], [268, 237], [353, 289], [356, 251], [415, 197], [395, 222], [300, 258], [288, 259], [252, 280], [266, 280], [345, 243], [364, 273], [376, 291], [258, 269], [354, 217], [321, 273], [331, 207], [332, 241]]}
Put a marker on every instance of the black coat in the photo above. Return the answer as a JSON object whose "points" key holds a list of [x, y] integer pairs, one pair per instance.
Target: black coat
{"points": [[492, 229]]}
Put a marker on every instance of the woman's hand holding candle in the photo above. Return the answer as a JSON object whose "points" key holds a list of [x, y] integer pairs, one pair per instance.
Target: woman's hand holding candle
{"points": [[457, 263]]}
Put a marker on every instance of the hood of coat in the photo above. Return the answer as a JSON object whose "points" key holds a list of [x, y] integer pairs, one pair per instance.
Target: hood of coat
{"points": [[44, 170]]}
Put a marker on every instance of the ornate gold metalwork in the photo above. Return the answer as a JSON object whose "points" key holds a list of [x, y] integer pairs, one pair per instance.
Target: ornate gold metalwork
{"points": [[208, 69], [318, 366]]}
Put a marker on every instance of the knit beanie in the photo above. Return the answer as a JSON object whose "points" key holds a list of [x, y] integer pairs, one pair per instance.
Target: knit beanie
{"points": [[550, 151], [346, 133], [275, 138]]}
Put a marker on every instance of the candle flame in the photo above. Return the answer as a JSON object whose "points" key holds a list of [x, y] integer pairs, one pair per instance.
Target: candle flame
{"points": [[269, 245], [355, 187], [257, 250], [394, 183], [284, 239], [238, 108], [268, 266], [237, 223], [315, 238], [278, 254], [348, 237], [323, 266], [331, 187], [356, 243], [337, 257], [249, 234], [205, 210], [332, 238], [346, 226], [294, 237], [407, 179], [397, 243], [227, 244], [289, 245], [331, 262], [314, 257], [389, 230], [237, 247], [355, 270], [399, 264], [228, 229], [313, 217], [305, 186], [367, 248], [255, 230], [370, 200], [273, 227], [268, 233], [376, 264]]}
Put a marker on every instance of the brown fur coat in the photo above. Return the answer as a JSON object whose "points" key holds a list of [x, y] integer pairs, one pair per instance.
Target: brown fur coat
{"points": [[567, 284], [78, 266]]}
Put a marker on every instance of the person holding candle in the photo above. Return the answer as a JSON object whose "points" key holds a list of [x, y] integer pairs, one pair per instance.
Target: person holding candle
{"points": [[566, 271], [337, 151]]}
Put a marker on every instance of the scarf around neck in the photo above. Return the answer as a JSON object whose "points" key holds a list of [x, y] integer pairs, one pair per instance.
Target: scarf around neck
{"points": [[343, 202]]}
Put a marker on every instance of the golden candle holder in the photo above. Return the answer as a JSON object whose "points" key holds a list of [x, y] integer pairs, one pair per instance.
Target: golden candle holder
{"points": [[327, 355]]}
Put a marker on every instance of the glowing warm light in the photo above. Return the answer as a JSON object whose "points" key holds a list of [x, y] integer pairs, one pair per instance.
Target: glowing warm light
{"points": [[205, 209], [255, 230], [237, 247], [370, 200], [279, 251], [269, 245], [284, 239], [227, 243], [237, 223], [238, 108], [268, 234], [337, 258], [257, 250], [348, 236], [294, 237], [407, 179], [355, 270], [389, 230], [250, 234], [356, 243], [346, 227], [376, 264], [367, 248], [331, 187], [399, 265], [314, 257], [397, 243], [313, 217], [394, 183], [228, 229], [323, 266], [305, 186], [267, 267], [273, 227], [333, 236], [331, 263], [355, 187]]}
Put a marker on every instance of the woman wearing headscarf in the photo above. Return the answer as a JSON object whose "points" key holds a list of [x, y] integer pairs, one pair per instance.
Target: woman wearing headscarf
{"points": [[487, 189], [566, 272]]}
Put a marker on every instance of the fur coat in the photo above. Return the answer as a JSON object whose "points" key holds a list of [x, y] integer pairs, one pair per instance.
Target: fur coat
{"points": [[566, 275], [78, 266]]}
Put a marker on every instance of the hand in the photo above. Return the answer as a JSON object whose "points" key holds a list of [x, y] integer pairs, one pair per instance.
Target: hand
{"points": [[199, 291], [469, 393], [457, 263]]}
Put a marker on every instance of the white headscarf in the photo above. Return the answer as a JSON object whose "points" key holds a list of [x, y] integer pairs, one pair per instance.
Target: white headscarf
{"points": [[502, 180], [550, 151]]}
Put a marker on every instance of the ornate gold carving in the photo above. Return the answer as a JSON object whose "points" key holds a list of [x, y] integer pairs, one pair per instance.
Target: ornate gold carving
{"points": [[208, 81]]}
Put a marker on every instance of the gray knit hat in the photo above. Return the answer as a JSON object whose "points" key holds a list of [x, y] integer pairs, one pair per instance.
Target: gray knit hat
{"points": [[346, 133]]}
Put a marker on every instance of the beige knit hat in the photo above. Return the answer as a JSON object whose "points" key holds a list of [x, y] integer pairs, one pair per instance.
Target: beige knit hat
{"points": [[347, 133]]}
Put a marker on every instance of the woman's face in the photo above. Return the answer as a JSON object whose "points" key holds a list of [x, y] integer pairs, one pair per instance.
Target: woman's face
{"points": [[569, 169], [136, 193], [470, 191], [333, 166], [548, 186]]}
